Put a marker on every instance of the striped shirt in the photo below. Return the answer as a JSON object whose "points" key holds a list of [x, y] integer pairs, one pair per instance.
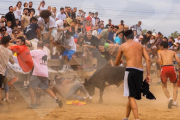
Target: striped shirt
{"points": [[5, 57]]}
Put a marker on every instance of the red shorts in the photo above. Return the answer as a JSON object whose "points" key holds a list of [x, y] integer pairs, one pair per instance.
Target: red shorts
{"points": [[168, 71]]}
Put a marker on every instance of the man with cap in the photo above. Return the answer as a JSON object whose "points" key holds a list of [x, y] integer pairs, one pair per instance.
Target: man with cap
{"points": [[121, 26], [109, 23], [80, 13]]}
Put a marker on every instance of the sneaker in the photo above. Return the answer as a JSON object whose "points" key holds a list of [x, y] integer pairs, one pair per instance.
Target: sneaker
{"points": [[12, 81], [7, 101], [32, 106], [170, 103], [126, 119], [59, 102], [175, 104]]}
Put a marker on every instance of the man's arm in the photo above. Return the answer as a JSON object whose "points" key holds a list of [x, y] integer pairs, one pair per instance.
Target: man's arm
{"points": [[49, 33], [22, 22], [177, 59], [39, 34], [28, 43], [159, 59], [63, 29], [119, 56], [146, 56]]}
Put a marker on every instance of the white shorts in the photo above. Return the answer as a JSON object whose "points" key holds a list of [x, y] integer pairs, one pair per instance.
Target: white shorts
{"points": [[53, 33]]}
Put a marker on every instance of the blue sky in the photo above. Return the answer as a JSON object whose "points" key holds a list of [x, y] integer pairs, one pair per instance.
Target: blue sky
{"points": [[161, 15]]}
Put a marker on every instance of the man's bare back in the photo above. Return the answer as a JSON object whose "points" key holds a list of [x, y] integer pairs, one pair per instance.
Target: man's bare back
{"points": [[167, 56], [133, 51]]}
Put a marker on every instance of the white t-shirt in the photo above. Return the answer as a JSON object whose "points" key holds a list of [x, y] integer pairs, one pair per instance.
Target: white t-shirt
{"points": [[9, 31], [59, 24], [42, 8], [151, 41], [70, 42], [40, 62], [60, 16], [50, 24], [18, 13], [93, 21], [177, 41], [95, 33]]}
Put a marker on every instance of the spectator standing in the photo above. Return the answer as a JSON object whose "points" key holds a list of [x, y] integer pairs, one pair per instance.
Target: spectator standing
{"points": [[109, 23], [25, 20], [30, 7], [138, 28], [10, 17], [96, 18], [41, 6], [53, 13], [61, 15], [80, 13], [74, 13], [121, 26], [93, 20], [89, 17], [101, 28], [18, 11]]}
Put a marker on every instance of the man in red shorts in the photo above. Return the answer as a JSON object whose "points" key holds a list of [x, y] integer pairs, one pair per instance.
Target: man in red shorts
{"points": [[168, 71]]}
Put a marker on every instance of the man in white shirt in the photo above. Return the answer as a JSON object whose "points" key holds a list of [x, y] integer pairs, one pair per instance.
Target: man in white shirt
{"points": [[61, 15], [49, 27], [138, 28], [93, 19], [177, 40]]}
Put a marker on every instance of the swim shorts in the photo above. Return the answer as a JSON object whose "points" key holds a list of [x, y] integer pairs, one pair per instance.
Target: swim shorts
{"points": [[168, 71]]}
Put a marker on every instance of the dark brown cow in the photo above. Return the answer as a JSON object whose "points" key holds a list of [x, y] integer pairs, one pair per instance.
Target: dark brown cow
{"points": [[103, 78]]}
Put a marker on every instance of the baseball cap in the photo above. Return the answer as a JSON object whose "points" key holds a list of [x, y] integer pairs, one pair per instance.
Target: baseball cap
{"points": [[154, 34]]}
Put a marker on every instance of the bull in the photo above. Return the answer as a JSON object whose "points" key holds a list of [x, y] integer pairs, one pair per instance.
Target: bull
{"points": [[105, 77]]}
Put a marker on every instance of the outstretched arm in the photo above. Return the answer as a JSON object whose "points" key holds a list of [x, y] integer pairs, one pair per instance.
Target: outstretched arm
{"points": [[118, 58]]}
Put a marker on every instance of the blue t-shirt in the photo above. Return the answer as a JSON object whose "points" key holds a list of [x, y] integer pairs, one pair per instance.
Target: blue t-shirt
{"points": [[100, 30], [110, 37], [170, 44], [117, 40]]}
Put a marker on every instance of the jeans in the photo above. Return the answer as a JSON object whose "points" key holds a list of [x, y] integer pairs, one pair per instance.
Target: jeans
{"points": [[74, 95]]}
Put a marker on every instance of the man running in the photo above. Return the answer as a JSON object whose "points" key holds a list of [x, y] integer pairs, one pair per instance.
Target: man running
{"points": [[133, 79], [39, 76], [168, 71]]}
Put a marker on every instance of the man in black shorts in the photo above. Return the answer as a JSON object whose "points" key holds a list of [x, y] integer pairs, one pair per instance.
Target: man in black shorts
{"points": [[133, 79]]}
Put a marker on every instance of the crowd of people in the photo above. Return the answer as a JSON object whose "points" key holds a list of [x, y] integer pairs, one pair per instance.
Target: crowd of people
{"points": [[30, 38]]}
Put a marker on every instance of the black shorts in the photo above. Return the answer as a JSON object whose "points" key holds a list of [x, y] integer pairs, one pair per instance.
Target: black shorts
{"points": [[133, 80], [1, 80]]}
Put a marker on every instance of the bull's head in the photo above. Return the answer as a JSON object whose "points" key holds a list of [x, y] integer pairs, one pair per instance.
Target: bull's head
{"points": [[89, 87]]}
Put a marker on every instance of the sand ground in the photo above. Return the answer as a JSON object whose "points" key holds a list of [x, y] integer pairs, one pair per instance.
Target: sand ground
{"points": [[113, 107]]}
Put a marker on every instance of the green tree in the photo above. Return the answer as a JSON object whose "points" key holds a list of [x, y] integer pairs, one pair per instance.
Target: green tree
{"points": [[174, 34]]}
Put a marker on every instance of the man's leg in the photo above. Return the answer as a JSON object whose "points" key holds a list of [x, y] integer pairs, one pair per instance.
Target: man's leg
{"points": [[128, 109], [175, 92], [32, 96], [51, 93], [134, 107], [166, 92]]}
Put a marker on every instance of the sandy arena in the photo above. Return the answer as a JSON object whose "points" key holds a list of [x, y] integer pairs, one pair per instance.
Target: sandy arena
{"points": [[113, 108]]}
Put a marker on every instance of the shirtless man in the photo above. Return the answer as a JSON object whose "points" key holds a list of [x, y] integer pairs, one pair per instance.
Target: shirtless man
{"points": [[168, 71], [133, 79]]}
